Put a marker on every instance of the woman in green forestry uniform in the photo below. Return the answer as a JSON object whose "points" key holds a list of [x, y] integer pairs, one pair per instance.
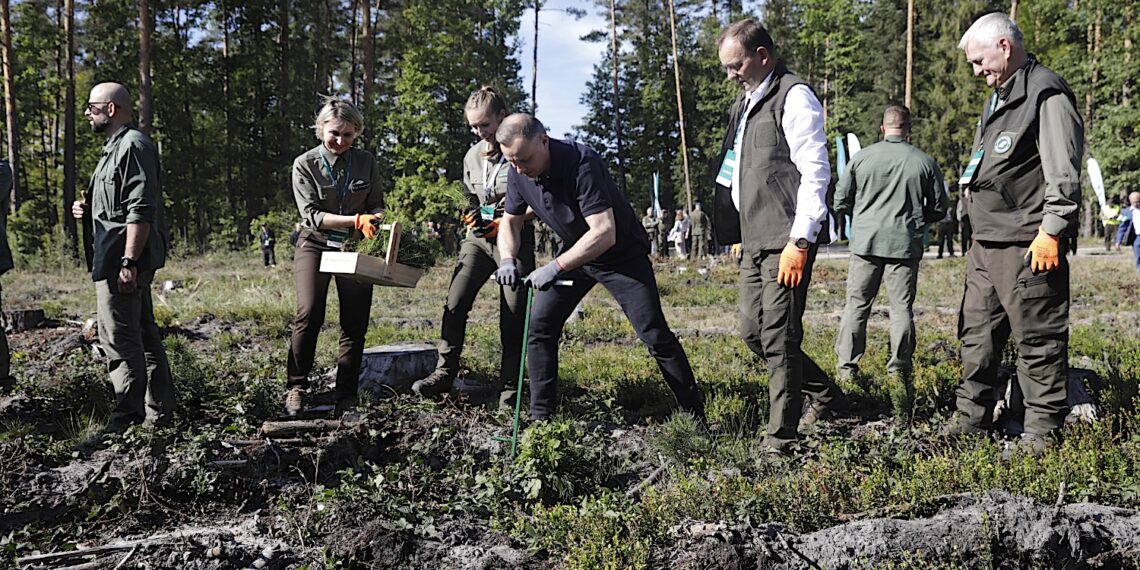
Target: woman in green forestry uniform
{"points": [[485, 177], [337, 189]]}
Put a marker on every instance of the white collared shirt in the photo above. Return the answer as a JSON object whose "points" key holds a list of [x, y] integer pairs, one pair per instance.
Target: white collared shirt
{"points": [[803, 129]]}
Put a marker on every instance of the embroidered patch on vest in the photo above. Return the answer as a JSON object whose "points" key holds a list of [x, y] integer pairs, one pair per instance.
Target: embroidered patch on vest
{"points": [[1003, 144]]}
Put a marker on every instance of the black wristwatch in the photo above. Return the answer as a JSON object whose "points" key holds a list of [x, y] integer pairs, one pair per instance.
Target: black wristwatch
{"points": [[128, 262], [801, 243]]}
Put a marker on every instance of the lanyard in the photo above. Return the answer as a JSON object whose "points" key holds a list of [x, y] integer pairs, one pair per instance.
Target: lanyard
{"points": [[489, 178], [341, 188]]}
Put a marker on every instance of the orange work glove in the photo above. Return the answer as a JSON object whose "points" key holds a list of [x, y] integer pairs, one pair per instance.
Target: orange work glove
{"points": [[490, 230], [471, 219], [792, 261], [1043, 256], [368, 224]]}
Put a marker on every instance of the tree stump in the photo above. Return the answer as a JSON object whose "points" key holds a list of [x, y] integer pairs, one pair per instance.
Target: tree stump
{"points": [[395, 366]]}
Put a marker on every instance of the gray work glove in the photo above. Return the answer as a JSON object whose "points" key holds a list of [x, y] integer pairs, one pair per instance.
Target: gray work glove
{"points": [[507, 275], [543, 277]]}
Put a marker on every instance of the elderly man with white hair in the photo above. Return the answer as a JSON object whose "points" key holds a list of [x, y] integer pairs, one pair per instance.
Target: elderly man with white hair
{"points": [[1024, 189]]}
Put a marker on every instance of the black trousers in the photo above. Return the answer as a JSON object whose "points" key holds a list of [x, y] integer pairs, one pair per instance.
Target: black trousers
{"points": [[946, 238], [634, 286]]}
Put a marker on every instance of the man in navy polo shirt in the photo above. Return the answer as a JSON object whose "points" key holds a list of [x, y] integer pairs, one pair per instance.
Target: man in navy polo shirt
{"points": [[570, 190]]}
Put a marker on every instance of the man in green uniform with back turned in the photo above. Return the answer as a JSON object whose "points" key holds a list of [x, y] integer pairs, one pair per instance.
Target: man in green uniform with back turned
{"points": [[649, 222], [125, 202], [1024, 183], [891, 190], [699, 229]]}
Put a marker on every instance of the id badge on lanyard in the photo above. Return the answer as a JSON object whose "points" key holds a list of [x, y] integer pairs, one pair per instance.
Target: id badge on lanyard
{"points": [[728, 166], [336, 238], [490, 177], [976, 159]]}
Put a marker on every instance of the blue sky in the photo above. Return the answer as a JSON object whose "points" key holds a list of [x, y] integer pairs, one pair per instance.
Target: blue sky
{"points": [[565, 63]]}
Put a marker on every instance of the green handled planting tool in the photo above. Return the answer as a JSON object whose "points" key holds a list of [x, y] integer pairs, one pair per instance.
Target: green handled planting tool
{"points": [[514, 439]]}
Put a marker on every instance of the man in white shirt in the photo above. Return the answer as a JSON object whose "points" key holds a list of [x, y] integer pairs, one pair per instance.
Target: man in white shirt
{"points": [[770, 198]]}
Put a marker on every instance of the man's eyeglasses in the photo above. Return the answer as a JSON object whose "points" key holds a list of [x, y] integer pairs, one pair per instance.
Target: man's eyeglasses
{"points": [[94, 105]]}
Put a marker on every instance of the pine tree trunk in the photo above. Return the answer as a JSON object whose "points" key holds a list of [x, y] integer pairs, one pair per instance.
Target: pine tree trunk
{"points": [[146, 97], [909, 54], [1126, 84], [617, 99], [680, 107], [284, 149], [69, 174], [534, 62], [353, 43], [9, 57], [1013, 10], [369, 67]]}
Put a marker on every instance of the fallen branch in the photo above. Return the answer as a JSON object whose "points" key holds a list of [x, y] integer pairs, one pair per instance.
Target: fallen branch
{"points": [[298, 427], [636, 490], [128, 545]]}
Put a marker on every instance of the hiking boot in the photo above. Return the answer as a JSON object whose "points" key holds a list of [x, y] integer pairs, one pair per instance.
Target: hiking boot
{"points": [[436, 384], [815, 411], [1029, 445], [294, 400], [345, 409], [778, 448], [959, 426], [811, 416]]}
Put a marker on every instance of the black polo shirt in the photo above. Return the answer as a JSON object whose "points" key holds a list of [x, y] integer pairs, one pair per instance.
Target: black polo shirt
{"points": [[577, 184]]}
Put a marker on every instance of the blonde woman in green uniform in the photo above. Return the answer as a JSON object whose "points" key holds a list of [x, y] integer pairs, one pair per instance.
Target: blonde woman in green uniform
{"points": [[337, 190], [485, 178]]}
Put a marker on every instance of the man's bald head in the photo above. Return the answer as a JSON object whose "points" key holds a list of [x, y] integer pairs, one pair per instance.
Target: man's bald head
{"points": [[1134, 198], [113, 93], [108, 108]]}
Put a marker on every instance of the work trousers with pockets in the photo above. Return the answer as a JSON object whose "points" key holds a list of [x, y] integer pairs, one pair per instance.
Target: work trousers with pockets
{"points": [[478, 260], [864, 276], [700, 245], [312, 293], [1003, 296], [633, 285], [136, 358], [771, 324]]}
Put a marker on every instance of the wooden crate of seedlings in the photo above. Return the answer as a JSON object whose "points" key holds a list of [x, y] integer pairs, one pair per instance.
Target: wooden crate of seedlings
{"points": [[385, 271]]}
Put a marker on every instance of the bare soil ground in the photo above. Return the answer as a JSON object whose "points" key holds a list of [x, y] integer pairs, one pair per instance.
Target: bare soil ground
{"points": [[616, 481]]}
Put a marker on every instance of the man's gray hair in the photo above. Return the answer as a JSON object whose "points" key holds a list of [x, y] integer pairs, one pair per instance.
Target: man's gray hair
{"points": [[519, 125], [991, 28]]}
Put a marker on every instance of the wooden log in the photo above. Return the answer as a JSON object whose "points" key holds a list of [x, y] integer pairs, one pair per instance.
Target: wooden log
{"points": [[395, 366], [19, 320], [298, 427]]}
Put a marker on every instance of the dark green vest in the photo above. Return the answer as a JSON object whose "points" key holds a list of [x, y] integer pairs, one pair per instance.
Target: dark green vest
{"points": [[1008, 198], [769, 180]]}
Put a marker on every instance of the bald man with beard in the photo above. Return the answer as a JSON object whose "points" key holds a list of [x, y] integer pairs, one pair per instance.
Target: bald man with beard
{"points": [[125, 202]]}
